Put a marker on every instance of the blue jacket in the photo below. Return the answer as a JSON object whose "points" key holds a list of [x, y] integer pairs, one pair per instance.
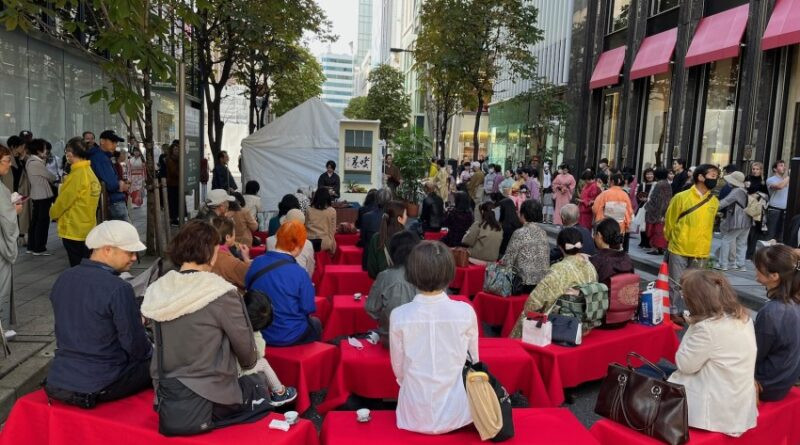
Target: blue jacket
{"points": [[101, 165], [99, 332], [292, 296]]}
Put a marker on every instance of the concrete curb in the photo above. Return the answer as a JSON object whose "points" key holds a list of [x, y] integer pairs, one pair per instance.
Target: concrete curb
{"points": [[25, 378]]}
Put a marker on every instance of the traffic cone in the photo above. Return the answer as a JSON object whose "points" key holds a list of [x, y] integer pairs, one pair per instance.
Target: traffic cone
{"points": [[662, 284]]}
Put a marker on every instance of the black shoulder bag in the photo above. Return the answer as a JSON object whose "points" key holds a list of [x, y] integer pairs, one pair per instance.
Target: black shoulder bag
{"points": [[688, 211], [253, 294]]}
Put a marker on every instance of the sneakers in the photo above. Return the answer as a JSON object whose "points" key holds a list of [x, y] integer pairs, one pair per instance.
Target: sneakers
{"points": [[45, 253], [289, 394], [10, 334], [723, 269]]}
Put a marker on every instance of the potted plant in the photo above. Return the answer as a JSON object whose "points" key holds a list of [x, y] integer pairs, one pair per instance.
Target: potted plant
{"points": [[411, 151]]}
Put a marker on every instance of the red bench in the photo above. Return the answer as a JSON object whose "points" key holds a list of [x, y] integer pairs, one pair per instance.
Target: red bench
{"points": [[307, 367], [343, 279], [348, 255], [469, 280]]}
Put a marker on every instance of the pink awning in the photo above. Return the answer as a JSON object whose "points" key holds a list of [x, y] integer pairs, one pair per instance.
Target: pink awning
{"points": [[718, 36], [784, 25], [608, 68], [655, 54]]}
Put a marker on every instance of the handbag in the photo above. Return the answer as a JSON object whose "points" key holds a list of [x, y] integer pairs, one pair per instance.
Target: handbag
{"points": [[652, 406], [566, 331], [537, 329], [461, 256], [489, 402], [589, 306], [502, 280]]}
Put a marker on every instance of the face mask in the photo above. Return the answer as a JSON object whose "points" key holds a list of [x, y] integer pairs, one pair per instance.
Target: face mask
{"points": [[711, 183]]}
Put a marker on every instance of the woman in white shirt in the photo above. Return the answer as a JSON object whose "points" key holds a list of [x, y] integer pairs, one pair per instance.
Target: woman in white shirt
{"points": [[429, 341], [717, 356]]}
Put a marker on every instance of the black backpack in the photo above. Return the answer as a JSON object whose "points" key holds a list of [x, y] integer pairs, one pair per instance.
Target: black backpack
{"points": [[257, 298]]}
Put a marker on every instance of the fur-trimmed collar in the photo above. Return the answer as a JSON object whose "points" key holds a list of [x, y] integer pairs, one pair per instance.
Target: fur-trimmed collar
{"points": [[177, 294]]}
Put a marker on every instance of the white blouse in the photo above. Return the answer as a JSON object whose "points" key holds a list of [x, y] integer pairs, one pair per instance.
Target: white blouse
{"points": [[429, 339]]}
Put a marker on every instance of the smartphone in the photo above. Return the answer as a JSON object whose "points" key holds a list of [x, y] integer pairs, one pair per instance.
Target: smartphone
{"points": [[20, 200]]}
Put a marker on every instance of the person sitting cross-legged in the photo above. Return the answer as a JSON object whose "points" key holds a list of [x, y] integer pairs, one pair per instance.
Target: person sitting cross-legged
{"points": [[102, 352]]}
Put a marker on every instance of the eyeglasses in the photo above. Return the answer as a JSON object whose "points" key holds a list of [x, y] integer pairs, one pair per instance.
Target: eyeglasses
{"points": [[5, 160]]}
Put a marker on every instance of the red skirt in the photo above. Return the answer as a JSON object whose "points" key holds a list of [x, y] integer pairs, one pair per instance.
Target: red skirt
{"points": [[655, 233]]}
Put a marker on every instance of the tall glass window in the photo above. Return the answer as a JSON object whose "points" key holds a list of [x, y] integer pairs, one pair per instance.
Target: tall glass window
{"points": [[653, 146], [619, 11], [791, 136], [610, 135], [716, 141], [659, 6]]}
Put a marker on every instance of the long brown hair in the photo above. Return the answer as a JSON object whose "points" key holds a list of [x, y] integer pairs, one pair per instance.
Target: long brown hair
{"points": [[389, 223], [708, 294], [784, 261]]}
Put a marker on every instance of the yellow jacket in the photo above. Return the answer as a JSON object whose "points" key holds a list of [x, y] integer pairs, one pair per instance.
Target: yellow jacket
{"points": [[433, 170], [691, 236], [75, 209]]}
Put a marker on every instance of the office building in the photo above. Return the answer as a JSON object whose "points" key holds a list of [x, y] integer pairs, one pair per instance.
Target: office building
{"points": [[337, 90]]}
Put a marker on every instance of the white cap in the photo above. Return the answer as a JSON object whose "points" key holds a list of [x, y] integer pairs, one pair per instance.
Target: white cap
{"points": [[114, 233], [218, 196], [293, 215], [476, 164]]}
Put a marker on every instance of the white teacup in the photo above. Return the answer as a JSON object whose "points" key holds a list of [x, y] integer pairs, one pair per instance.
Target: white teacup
{"points": [[362, 415], [357, 296], [291, 417]]}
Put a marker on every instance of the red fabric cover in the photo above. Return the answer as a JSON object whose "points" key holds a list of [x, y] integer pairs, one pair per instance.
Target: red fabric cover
{"points": [[515, 308], [608, 68], [784, 25], [655, 54], [777, 425], [493, 309], [348, 255], [623, 298], [307, 367], [566, 367], [469, 280], [348, 316], [130, 421], [368, 373], [262, 236], [257, 251], [718, 36], [435, 236], [343, 279], [346, 239], [321, 261], [323, 309], [533, 426]]}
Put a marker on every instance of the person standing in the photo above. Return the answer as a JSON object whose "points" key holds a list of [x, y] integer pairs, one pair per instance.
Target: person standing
{"points": [[203, 178], [756, 190], [563, 188], [42, 196], [136, 170], [392, 174], [735, 224], [9, 233], [615, 203], [330, 180], [441, 181], [688, 228], [547, 192], [529, 176], [681, 176], [589, 193], [100, 158], [432, 212], [173, 182], [475, 183], [75, 209], [19, 182], [642, 194], [488, 182], [656, 211], [778, 185], [223, 179]]}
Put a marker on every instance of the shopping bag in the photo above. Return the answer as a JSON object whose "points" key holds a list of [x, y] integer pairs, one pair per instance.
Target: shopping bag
{"points": [[537, 329]]}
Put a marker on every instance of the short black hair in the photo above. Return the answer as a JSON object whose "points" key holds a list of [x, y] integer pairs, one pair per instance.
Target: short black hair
{"points": [[14, 142], [611, 233], [220, 154], [587, 175], [661, 173], [83, 135], [77, 147], [252, 188], [569, 235], [400, 246], [603, 177], [680, 161], [603, 161], [440, 163], [531, 210], [564, 166], [258, 310], [330, 164], [703, 169], [239, 198], [774, 165], [618, 179], [37, 146], [321, 199], [430, 266], [224, 226], [288, 202], [730, 168]]}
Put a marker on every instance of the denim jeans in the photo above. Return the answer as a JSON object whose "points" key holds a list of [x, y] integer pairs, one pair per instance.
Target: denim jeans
{"points": [[775, 219], [733, 240], [119, 211], [677, 265]]}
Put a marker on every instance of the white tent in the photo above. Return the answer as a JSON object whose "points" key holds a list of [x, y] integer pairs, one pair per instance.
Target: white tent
{"points": [[291, 151]]}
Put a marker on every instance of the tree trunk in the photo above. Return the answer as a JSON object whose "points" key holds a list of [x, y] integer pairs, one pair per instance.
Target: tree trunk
{"points": [[253, 114], [476, 140], [443, 132], [150, 166]]}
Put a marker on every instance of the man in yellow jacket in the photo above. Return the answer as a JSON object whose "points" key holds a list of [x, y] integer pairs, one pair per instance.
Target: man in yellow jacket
{"points": [[689, 229], [75, 209]]}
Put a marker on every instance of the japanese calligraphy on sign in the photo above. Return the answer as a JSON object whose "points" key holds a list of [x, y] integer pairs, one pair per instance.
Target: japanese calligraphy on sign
{"points": [[361, 162]]}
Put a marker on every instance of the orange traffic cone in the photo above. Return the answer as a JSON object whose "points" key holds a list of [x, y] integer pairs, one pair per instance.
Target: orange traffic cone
{"points": [[662, 284]]}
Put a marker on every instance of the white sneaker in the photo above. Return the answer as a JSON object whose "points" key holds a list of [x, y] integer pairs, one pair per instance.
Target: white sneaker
{"points": [[45, 253], [10, 334]]}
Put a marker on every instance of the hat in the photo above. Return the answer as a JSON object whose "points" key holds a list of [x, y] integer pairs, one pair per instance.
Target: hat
{"points": [[293, 215], [111, 136], [119, 234], [218, 196], [735, 179], [476, 164], [24, 134]]}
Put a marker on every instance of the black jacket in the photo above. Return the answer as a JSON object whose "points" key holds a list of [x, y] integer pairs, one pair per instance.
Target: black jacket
{"points": [[432, 213], [369, 224], [332, 182], [223, 179], [778, 341]]}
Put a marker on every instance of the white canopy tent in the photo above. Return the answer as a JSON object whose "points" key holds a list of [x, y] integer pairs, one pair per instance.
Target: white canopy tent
{"points": [[291, 151]]}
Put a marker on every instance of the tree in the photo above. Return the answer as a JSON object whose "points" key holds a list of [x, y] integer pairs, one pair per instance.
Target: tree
{"points": [[548, 113], [356, 108], [293, 87], [387, 100]]}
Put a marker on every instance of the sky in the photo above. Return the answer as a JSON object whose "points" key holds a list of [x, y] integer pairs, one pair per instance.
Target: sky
{"points": [[343, 15]]}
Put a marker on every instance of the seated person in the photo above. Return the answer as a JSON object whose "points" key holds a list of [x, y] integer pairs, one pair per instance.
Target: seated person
{"points": [[777, 333], [288, 202], [391, 289], [393, 221], [430, 338], [484, 237], [569, 218], [306, 259], [574, 270], [509, 221], [609, 260], [458, 219], [103, 352], [717, 356], [321, 221], [252, 202], [227, 266], [243, 221], [202, 328], [289, 288], [528, 250], [432, 210]]}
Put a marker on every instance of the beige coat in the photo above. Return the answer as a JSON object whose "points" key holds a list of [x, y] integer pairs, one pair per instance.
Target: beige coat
{"points": [[321, 224], [483, 242], [244, 225]]}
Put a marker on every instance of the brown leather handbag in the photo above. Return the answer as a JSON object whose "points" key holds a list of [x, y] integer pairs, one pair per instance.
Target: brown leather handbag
{"points": [[651, 406], [461, 255]]}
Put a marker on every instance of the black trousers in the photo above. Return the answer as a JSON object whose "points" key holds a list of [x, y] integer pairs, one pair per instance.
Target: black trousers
{"points": [[76, 251], [135, 380], [172, 195], [40, 225]]}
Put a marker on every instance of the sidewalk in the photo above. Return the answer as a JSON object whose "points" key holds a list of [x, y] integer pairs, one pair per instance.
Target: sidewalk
{"points": [[33, 348]]}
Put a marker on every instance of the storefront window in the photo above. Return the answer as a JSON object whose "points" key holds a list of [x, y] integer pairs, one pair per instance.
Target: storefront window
{"points": [[618, 17], [720, 113], [659, 6], [610, 134], [653, 146], [791, 138]]}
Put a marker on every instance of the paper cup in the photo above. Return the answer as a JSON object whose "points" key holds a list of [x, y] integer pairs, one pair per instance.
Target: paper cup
{"points": [[291, 417], [362, 415]]}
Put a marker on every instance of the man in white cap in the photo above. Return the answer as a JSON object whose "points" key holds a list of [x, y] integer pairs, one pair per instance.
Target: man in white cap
{"points": [[216, 204], [102, 352]]}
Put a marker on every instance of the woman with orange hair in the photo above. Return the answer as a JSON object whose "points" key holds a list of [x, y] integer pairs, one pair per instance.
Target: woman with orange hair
{"points": [[277, 274]]}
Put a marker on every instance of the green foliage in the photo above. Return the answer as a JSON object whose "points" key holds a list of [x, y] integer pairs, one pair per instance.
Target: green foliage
{"points": [[356, 108], [302, 81], [548, 114], [411, 151], [387, 100]]}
